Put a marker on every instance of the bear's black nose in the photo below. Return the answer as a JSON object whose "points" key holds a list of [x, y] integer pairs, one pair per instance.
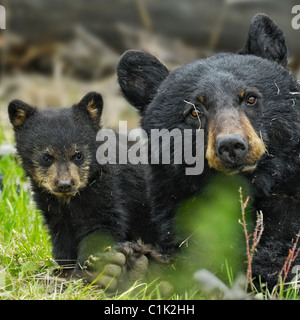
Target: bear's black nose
{"points": [[64, 185], [232, 148]]}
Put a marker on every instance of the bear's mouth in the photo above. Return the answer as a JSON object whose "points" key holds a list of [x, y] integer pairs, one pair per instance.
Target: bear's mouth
{"points": [[239, 169], [65, 196]]}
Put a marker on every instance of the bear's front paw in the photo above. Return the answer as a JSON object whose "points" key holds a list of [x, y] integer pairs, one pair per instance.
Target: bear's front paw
{"points": [[136, 265], [143, 262], [104, 269]]}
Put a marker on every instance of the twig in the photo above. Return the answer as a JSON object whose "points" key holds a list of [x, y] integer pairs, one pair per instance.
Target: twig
{"points": [[258, 231], [278, 90], [186, 241], [293, 253], [144, 15], [259, 228], [192, 104]]}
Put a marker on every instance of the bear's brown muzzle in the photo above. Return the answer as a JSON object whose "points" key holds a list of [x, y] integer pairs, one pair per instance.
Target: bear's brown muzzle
{"points": [[233, 145]]}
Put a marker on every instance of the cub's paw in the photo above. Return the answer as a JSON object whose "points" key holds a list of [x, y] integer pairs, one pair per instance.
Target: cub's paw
{"points": [[136, 266], [143, 262], [104, 269]]}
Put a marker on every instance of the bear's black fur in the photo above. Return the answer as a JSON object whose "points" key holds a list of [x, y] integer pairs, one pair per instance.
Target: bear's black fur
{"points": [[249, 107], [86, 206]]}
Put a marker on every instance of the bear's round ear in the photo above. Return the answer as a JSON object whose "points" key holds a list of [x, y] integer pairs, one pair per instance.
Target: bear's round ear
{"points": [[140, 75], [19, 112], [266, 40], [91, 105]]}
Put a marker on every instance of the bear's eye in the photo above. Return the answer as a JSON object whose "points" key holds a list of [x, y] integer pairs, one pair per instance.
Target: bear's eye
{"points": [[47, 159], [251, 100], [78, 156], [195, 113]]}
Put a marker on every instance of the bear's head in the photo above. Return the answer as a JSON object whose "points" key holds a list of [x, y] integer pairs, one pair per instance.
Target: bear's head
{"points": [[247, 103], [57, 146]]}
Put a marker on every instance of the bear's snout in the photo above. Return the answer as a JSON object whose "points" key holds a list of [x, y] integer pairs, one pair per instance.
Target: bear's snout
{"points": [[232, 148], [233, 144], [64, 186]]}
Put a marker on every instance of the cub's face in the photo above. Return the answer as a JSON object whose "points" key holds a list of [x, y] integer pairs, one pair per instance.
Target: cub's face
{"points": [[242, 101], [57, 147], [62, 171]]}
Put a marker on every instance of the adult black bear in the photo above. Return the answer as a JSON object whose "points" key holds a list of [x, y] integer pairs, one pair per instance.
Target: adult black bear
{"points": [[249, 107], [86, 206]]}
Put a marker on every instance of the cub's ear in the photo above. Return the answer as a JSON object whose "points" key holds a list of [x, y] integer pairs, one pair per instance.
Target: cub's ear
{"points": [[266, 40], [91, 105], [140, 75], [19, 112]]}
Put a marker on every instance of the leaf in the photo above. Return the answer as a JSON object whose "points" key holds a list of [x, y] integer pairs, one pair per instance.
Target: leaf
{"points": [[29, 267]]}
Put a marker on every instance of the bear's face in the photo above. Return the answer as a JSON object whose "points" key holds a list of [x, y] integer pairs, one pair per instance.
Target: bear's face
{"points": [[235, 98], [57, 147], [231, 103]]}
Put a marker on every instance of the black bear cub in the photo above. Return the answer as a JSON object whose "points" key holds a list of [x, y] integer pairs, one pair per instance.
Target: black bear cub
{"points": [[86, 206], [248, 105]]}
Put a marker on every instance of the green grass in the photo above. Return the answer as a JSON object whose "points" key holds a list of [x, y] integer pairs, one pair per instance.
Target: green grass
{"points": [[27, 267]]}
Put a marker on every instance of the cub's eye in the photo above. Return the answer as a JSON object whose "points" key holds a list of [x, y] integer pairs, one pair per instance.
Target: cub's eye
{"points": [[78, 156], [251, 100], [195, 113], [47, 159]]}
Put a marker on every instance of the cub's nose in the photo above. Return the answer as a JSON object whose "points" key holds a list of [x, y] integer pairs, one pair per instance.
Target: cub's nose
{"points": [[232, 148], [64, 186]]}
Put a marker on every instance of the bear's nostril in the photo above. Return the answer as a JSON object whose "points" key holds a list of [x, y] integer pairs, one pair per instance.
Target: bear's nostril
{"points": [[239, 146], [223, 149]]}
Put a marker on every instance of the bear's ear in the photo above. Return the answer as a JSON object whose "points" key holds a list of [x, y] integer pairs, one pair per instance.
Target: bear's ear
{"points": [[19, 112], [266, 40], [91, 105], [140, 75]]}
